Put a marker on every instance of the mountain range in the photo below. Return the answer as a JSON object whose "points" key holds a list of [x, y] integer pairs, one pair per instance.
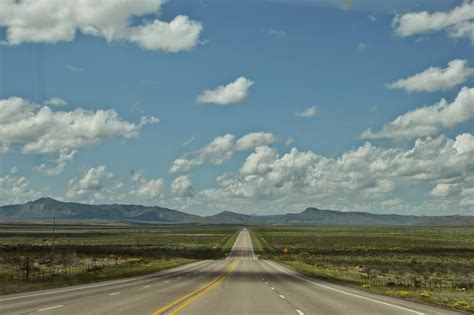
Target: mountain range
{"points": [[46, 208]]}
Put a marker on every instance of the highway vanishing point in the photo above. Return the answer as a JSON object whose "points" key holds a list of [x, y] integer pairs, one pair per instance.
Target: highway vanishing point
{"points": [[239, 284]]}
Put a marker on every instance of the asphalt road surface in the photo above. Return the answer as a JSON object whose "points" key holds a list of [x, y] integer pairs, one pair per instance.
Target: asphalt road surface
{"points": [[239, 284]]}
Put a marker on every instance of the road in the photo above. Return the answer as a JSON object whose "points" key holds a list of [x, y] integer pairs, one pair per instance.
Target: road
{"points": [[239, 284]]}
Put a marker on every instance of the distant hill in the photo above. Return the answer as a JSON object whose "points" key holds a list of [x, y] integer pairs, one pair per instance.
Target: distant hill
{"points": [[45, 208], [48, 207]]}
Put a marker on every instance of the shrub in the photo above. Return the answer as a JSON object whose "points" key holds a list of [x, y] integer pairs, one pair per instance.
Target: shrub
{"points": [[402, 293], [463, 305], [366, 286], [425, 294]]}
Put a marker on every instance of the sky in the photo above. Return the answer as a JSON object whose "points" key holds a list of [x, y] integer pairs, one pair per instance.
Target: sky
{"points": [[258, 107]]}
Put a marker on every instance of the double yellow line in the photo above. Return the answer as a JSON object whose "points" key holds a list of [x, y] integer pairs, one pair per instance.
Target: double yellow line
{"points": [[179, 304]]}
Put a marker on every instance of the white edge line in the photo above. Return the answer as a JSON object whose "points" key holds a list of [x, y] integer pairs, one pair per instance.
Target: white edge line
{"points": [[115, 293], [104, 284], [345, 292], [146, 286], [299, 312], [50, 308]]}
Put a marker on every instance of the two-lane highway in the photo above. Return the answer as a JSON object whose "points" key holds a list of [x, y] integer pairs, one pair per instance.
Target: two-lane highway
{"points": [[239, 284]]}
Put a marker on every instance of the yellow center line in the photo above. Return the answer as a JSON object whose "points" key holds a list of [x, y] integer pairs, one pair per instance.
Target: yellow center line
{"points": [[191, 297]]}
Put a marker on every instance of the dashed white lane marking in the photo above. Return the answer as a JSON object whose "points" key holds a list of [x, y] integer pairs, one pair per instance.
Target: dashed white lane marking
{"points": [[50, 308], [344, 292], [299, 312], [272, 288], [115, 293], [282, 296], [146, 286], [266, 282]]}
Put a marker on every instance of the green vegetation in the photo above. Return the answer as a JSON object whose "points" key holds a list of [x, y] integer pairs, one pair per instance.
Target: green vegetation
{"points": [[229, 243], [32, 257], [259, 244], [434, 265]]}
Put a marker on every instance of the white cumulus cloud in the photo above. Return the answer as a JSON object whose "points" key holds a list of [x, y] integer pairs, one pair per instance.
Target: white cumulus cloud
{"points": [[149, 189], [221, 149], [182, 186], [231, 93], [428, 120], [435, 78], [459, 22], [15, 188], [55, 101], [442, 190], [91, 185], [309, 112], [65, 155], [38, 128], [51, 21], [368, 175], [467, 195]]}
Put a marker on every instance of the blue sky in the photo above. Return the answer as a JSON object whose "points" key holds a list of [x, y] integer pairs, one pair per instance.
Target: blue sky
{"points": [[335, 57]]}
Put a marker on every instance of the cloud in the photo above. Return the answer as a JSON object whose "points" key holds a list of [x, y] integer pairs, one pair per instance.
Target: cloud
{"points": [[391, 203], [217, 152], [40, 129], [231, 93], [259, 162], [52, 21], [91, 185], [467, 195], [368, 175], [73, 68], [15, 188], [362, 46], [464, 143], [146, 189], [189, 141], [221, 149], [254, 139], [182, 186], [65, 155], [372, 18], [55, 101], [442, 190], [178, 35], [309, 112], [149, 189], [276, 33], [435, 78], [428, 120], [458, 22]]}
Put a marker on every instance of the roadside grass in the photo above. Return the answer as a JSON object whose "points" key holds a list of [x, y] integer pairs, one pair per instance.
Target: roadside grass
{"points": [[260, 246], [98, 253], [229, 242], [108, 273], [430, 265]]}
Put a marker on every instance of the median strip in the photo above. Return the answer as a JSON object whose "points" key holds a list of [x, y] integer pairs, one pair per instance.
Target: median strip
{"points": [[180, 303]]}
